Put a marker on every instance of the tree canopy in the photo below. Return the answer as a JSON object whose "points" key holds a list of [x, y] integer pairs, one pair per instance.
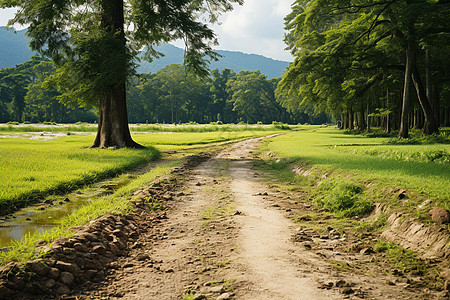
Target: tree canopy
{"points": [[95, 43], [360, 55]]}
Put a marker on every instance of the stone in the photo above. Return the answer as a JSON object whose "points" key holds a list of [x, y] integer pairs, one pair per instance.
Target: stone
{"points": [[89, 274], [200, 297], [66, 278], [99, 249], [50, 284], [53, 273], [39, 267], [68, 251], [142, 256], [62, 290], [340, 283], [16, 284], [119, 233], [401, 194], [99, 276], [79, 247], [366, 251], [224, 296], [87, 236], [440, 215], [67, 267], [217, 289], [347, 290]]}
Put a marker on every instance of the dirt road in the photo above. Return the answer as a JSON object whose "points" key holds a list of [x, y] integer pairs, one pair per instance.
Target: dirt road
{"points": [[226, 235]]}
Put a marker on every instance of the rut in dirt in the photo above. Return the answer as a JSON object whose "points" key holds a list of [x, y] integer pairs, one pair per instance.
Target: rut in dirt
{"points": [[268, 257]]}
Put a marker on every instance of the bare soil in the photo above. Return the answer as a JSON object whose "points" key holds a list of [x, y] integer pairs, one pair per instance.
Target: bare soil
{"points": [[227, 235]]}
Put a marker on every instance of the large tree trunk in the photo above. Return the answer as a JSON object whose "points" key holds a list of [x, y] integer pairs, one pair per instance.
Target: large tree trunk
{"points": [[113, 128], [404, 124]]}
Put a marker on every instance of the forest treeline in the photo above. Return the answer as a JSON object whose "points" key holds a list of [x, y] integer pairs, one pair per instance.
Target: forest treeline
{"points": [[170, 95], [371, 62]]}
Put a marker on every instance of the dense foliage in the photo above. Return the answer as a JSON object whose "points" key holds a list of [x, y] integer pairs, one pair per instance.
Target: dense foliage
{"points": [[171, 95], [24, 98], [370, 60], [95, 45]]}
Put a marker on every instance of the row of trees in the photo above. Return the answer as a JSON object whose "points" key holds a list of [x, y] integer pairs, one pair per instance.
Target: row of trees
{"points": [[24, 98], [172, 95], [363, 60]]}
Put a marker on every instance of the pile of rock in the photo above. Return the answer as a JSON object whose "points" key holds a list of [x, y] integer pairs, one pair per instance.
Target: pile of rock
{"points": [[70, 262]]}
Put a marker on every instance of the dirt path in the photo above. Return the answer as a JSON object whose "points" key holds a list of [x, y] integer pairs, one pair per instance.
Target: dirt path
{"points": [[226, 236]]}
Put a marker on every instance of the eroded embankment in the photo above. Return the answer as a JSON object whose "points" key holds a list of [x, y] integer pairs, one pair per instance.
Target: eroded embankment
{"points": [[430, 240]]}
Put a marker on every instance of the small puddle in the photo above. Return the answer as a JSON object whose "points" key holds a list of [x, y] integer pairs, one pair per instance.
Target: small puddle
{"points": [[45, 215]]}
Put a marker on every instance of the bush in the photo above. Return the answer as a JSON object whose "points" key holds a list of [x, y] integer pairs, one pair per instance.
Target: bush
{"points": [[344, 198]]}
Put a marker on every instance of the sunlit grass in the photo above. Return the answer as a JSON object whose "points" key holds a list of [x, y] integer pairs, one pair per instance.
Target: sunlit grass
{"points": [[30, 168], [329, 149], [182, 139]]}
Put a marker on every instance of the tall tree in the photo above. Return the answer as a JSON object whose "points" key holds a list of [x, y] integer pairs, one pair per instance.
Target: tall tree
{"points": [[95, 43], [346, 48]]}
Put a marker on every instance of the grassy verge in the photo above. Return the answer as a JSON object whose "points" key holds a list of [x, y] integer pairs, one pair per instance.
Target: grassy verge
{"points": [[117, 203], [337, 184], [344, 158]]}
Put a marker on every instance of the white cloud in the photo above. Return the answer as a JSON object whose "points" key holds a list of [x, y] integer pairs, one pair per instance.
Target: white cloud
{"points": [[6, 14], [255, 27]]}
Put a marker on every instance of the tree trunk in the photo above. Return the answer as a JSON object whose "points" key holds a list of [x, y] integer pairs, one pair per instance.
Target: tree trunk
{"points": [[350, 118], [404, 124], [431, 126], [113, 128], [362, 120], [431, 89]]}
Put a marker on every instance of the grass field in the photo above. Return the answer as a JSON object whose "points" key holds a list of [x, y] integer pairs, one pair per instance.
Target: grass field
{"points": [[30, 168], [372, 163]]}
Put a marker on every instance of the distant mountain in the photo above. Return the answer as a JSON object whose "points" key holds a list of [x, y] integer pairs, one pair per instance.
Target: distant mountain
{"points": [[234, 60], [14, 50]]}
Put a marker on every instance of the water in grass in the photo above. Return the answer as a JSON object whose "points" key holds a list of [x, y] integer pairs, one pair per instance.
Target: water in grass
{"points": [[49, 213]]}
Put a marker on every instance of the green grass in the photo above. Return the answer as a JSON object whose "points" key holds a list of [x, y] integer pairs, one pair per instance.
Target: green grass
{"points": [[30, 169], [117, 203], [423, 169], [166, 141], [345, 198], [403, 259]]}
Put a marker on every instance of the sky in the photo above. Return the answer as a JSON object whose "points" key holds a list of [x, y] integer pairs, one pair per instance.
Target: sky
{"points": [[255, 28]]}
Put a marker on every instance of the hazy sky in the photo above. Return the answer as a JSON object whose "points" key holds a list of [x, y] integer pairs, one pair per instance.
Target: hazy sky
{"points": [[256, 27]]}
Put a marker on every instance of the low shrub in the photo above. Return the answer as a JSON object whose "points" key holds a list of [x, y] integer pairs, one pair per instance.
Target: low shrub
{"points": [[343, 197]]}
